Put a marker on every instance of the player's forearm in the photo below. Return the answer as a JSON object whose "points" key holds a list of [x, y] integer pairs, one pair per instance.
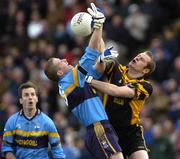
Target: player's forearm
{"points": [[104, 87], [10, 155], [113, 90], [95, 39], [99, 66], [57, 152], [102, 46]]}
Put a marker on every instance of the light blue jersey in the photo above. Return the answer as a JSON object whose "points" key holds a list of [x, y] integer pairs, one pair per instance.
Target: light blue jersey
{"points": [[82, 99], [29, 138]]}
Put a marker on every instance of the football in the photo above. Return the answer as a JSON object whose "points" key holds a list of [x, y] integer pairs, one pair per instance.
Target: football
{"points": [[81, 24]]}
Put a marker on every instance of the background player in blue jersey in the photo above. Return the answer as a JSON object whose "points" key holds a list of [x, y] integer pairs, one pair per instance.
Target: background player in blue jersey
{"points": [[28, 132], [82, 100]]}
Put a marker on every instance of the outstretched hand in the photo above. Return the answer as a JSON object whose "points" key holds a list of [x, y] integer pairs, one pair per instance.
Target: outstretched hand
{"points": [[98, 16], [108, 54]]}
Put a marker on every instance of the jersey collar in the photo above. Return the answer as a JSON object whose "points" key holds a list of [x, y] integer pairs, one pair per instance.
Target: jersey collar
{"points": [[21, 112]]}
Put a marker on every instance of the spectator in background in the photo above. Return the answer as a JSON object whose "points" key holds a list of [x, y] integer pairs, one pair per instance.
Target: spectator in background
{"points": [[148, 135], [177, 141], [170, 41], [121, 7], [160, 146], [174, 107], [162, 57], [28, 132], [7, 108], [117, 32], [137, 23], [175, 73]]}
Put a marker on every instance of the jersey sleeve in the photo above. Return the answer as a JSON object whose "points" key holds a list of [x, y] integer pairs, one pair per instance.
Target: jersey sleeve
{"points": [[142, 90], [109, 67], [54, 141], [94, 73], [8, 136], [89, 58]]}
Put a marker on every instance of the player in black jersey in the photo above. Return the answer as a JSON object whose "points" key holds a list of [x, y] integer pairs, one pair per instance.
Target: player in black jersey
{"points": [[125, 95]]}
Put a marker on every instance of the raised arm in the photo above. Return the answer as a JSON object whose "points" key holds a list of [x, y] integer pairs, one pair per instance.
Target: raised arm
{"points": [[97, 23], [100, 66], [92, 51], [95, 39]]}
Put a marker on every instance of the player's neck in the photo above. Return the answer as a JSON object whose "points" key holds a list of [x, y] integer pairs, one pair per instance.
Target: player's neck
{"points": [[29, 113], [133, 74]]}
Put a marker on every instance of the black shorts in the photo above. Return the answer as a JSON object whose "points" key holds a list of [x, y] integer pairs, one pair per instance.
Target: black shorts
{"points": [[131, 139], [101, 140]]}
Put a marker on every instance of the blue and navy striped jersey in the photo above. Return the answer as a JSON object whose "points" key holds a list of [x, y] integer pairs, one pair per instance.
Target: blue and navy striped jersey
{"points": [[29, 138], [82, 99]]}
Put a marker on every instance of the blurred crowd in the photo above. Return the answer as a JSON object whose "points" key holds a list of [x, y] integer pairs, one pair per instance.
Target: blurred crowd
{"points": [[31, 31]]}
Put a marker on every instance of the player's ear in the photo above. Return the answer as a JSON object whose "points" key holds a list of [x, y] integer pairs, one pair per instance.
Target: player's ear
{"points": [[59, 73], [146, 70], [20, 100]]}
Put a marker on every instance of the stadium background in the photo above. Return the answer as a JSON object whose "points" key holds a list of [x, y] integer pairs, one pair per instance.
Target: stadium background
{"points": [[31, 31]]}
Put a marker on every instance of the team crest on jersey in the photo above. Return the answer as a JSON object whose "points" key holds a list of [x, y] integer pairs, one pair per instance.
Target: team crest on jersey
{"points": [[118, 101], [18, 126], [37, 126]]}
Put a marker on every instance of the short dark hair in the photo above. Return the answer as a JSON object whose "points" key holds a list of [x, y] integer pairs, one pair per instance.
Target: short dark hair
{"points": [[51, 70], [25, 85], [152, 64]]}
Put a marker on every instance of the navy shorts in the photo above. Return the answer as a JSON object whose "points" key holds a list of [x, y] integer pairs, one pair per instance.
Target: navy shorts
{"points": [[101, 140]]}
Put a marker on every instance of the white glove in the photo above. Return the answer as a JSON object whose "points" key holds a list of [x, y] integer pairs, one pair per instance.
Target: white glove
{"points": [[98, 16], [88, 79], [108, 54]]}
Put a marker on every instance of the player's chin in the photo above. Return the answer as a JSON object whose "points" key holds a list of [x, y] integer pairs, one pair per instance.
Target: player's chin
{"points": [[71, 67], [130, 64], [31, 105]]}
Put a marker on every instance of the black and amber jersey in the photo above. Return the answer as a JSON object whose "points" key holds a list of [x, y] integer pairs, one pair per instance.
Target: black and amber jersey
{"points": [[125, 111]]}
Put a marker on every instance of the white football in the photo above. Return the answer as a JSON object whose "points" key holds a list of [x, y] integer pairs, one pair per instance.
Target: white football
{"points": [[81, 24]]}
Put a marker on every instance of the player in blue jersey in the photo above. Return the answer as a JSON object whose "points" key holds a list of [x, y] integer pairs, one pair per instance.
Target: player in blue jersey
{"points": [[82, 99], [28, 132]]}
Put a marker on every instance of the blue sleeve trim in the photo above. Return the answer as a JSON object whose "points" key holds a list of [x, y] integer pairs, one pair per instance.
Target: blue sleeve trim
{"points": [[89, 58], [89, 49], [55, 144], [95, 73]]}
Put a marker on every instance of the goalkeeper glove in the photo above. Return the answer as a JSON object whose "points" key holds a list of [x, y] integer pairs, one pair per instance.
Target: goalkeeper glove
{"points": [[98, 16], [108, 54]]}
